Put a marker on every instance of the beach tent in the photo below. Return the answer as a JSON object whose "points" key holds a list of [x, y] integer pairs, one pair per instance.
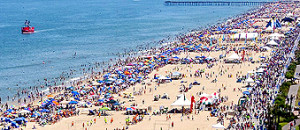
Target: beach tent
{"points": [[269, 29], [260, 70], [245, 35], [64, 102], [276, 35], [288, 19], [182, 101], [218, 126], [234, 56], [263, 66], [272, 43], [163, 78], [24, 112], [273, 23], [289, 15], [267, 48], [94, 83], [209, 58], [176, 75], [249, 80]]}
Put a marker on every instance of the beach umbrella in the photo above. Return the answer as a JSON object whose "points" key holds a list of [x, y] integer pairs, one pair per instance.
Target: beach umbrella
{"points": [[73, 102], [218, 126], [116, 104], [176, 57], [44, 110], [7, 120], [287, 19], [19, 119], [14, 124], [50, 96], [249, 80], [75, 92], [71, 88], [246, 92], [130, 109], [104, 109], [9, 110], [112, 101]]}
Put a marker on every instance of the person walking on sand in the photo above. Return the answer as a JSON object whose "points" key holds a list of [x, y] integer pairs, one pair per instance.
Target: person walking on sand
{"points": [[111, 120], [105, 120]]}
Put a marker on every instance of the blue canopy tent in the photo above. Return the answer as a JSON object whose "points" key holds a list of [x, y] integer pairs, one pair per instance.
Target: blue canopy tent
{"points": [[274, 23]]}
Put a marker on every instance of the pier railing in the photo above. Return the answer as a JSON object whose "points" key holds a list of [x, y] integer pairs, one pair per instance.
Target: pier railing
{"points": [[215, 3]]}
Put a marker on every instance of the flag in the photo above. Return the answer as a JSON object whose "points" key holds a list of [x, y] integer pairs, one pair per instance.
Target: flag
{"points": [[192, 101], [210, 42]]}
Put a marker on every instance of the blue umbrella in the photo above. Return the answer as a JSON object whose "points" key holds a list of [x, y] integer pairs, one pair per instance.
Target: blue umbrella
{"points": [[246, 92], [44, 110], [100, 81], [73, 102], [9, 110], [75, 92], [70, 87], [7, 120], [20, 119], [116, 104], [129, 109], [14, 124]]}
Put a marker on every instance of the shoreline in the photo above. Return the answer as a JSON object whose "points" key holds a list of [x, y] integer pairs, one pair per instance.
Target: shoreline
{"points": [[130, 54]]}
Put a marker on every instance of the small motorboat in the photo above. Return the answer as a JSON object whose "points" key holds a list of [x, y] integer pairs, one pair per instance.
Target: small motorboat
{"points": [[27, 28]]}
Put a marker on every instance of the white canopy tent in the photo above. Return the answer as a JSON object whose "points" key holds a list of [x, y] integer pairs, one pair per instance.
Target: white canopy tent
{"points": [[234, 56], [272, 43], [94, 83], [267, 48], [269, 29], [218, 126], [276, 35], [24, 112], [163, 78], [182, 101], [245, 35], [260, 70], [249, 80]]}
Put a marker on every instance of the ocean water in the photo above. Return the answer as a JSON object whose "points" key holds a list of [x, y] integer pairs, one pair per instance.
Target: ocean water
{"points": [[93, 29]]}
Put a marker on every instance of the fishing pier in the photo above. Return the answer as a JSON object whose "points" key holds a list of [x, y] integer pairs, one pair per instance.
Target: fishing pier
{"points": [[215, 3]]}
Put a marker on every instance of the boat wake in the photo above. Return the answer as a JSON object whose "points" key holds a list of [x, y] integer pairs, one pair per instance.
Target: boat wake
{"points": [[45, 30]]}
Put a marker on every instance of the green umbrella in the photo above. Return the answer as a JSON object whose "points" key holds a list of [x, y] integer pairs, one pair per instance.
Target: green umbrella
{"points": [[104, 109]]}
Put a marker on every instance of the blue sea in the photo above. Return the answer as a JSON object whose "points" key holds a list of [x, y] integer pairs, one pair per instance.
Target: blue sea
{"points": [[93, 29]]}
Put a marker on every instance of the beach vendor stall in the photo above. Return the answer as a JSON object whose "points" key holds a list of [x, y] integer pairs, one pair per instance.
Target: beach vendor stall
{"points": [[233, 58], [182, 101], [176, 75]]}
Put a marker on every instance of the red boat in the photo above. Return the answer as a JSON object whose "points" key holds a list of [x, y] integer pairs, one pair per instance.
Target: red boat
{"points": [[27, 28]]}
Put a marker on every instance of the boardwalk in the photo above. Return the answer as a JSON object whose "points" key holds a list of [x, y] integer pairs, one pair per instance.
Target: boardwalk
{"points": [[215, 3], [293, 92]]}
